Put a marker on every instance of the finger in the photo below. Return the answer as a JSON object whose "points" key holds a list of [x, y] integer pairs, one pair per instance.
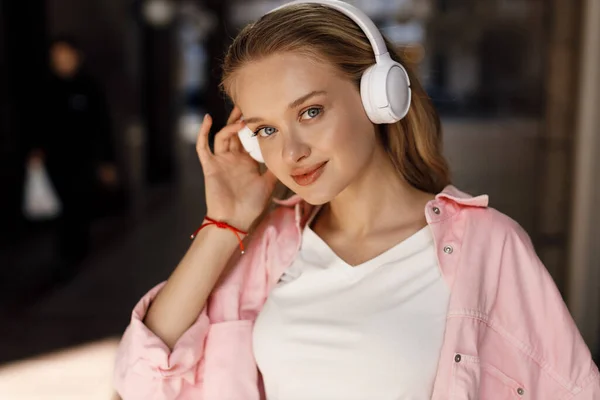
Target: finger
{"points": [[234, 116], [221, 145], [222, 139], [235, 145], [202, 146]]}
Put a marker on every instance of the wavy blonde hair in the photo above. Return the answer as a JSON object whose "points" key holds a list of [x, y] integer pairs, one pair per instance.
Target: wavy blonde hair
{"points": [[414, 144]]}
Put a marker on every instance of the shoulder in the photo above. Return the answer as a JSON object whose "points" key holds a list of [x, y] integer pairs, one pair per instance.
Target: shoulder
{"points": [[493, 245], [495, 224], [476, 212], [473, 216], [503, 250]]}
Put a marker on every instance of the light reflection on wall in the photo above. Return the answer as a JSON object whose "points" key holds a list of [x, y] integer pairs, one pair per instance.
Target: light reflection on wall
{"points": [[84, 372]]}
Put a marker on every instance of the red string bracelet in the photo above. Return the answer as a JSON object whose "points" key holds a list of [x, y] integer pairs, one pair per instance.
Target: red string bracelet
{"points": [[221, 225]]}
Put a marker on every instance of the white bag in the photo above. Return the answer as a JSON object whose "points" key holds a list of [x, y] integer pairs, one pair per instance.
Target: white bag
{"points": [[40, 200]]}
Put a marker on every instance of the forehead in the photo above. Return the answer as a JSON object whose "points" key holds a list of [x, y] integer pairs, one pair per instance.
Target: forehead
{"points": [[280, 79]]}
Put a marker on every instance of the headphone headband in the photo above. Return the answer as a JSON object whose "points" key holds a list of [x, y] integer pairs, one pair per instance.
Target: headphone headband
{"points": [[359, 17]]}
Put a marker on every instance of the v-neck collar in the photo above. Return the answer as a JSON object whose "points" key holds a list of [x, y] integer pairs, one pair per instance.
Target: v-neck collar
{"points": [[402, 249]]}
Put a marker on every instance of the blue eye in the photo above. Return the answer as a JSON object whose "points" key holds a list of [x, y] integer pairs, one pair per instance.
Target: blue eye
{"points": [[311, 113], [265, 131]]}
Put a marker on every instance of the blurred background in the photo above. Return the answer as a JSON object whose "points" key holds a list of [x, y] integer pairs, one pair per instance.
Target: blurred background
{"points": [[102, 98]]}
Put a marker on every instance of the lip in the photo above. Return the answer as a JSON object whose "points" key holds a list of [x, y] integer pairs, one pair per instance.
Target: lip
{"points": [[306, 176], [307, 170]]}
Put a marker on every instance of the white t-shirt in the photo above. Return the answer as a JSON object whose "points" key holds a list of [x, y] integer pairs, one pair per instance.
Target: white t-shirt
{"points": [[330, 331]]}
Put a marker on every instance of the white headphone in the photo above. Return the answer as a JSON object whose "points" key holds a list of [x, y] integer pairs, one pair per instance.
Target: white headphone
{"points": [[384, 86]]}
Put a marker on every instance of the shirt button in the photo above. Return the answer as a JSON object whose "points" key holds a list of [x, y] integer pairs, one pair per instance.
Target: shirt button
{"points": [[448, 249], [520, 391], [457, 358], [436, 210]]}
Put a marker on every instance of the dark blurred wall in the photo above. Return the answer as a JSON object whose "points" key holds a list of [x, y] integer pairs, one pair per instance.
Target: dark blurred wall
{"points": [[7, 141], [216, 46], [583, 290], [556, 151], [22, 71], [159, 60]]}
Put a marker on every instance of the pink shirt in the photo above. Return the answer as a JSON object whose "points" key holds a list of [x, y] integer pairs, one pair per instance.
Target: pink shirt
{"points": [[508, 333]]}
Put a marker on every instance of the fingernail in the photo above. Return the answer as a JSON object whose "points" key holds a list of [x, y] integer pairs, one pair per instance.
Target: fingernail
{"points": [[206, 116]]}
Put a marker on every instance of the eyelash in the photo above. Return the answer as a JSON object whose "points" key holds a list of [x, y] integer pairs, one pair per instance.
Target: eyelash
{"points": [[320, 108]]}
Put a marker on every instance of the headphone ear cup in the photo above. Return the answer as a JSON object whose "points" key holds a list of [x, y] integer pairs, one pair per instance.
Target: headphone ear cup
{"points": [[398, 91], [250, 143], [385, 92], [366, 85]]}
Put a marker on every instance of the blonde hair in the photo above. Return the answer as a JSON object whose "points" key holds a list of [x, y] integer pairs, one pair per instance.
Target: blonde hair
{"points": [[413, 144]]}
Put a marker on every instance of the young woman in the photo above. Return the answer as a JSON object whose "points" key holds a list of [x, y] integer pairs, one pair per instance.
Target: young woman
{"points": [[377, 279]]}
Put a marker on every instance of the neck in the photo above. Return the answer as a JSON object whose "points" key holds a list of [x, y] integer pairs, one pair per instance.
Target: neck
{"points": [[378, 200]]}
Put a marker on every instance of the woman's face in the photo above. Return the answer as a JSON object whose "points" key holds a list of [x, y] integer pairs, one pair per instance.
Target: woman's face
{"points": [[313, 132]]}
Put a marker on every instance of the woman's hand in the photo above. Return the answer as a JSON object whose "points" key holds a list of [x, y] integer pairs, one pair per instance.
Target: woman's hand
{"points": [[236, 192]]}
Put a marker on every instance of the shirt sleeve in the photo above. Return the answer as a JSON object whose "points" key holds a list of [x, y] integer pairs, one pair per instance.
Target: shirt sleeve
{"points": [[145, 367]]}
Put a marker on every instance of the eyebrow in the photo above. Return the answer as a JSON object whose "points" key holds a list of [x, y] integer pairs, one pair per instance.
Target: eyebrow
{"points": [[293, 104]]}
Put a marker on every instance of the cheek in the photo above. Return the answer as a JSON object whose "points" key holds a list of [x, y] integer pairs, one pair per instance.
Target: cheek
{"points": [[268, 151], [335, 137], [272, 155], [352, 140]]}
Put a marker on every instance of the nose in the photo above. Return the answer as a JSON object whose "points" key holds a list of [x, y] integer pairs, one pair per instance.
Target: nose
{"points": [[294, 149]]}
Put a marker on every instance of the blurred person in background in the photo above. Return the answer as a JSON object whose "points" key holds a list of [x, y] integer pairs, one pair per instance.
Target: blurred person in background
{"points": [[76, 147]]}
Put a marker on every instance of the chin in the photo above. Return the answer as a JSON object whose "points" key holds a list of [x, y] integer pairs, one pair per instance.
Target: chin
{"points": [[316, 196], [316, 201]]}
